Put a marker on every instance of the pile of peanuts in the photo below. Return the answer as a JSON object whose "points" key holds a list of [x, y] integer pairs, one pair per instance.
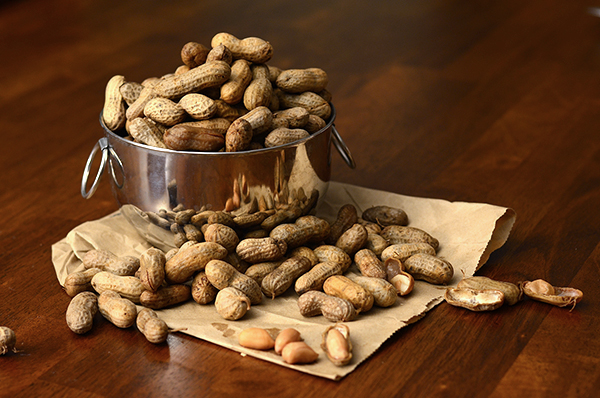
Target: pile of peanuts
{"points": [[234, 261], [223, 98]]}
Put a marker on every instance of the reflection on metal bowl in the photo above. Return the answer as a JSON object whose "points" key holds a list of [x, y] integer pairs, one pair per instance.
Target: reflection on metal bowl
{"points": [[155, 178]]}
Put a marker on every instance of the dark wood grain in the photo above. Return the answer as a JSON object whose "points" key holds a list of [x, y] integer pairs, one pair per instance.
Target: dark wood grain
{"points": [[495, 102]]}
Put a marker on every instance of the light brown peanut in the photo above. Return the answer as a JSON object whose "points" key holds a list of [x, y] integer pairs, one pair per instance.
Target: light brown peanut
{"points": [[129, 287], [182, 137], [316, 276], [402, 251], [181, 267], [258, 250], [81, 311], [247, 221], [429, 268], [203, 292], [316, 228], [347, 216], [353, 239], [8, 340], [280, 280], [403, 234], [165, 296], [284, 136], [256, 338], [119, 311], [81, 281], [194, 54], [107, 261], [385, 215], [253, 49], [376, 243], [543, 291], [222, 275], [314, 124], [301, 80], [198, 106], [284, 337], [181, 69], [238, 135], [113, 112], [342, 287], [220, 53], [152, 269], [203, 76], [274, 71], [292, 118], [145, 131], [259, 90], [130, 91], [298, 352], [231, 303], [334, 309], [223, 235], [336, 344], [164, 111], [152, 327], [136, 109], [384, 293], [232, 91], [260, 270], [473, 299], [332, 253], [229, 112], [369, 264], [305, 252], [291, 234], [260, 119], [512, 293], [312, 102]]}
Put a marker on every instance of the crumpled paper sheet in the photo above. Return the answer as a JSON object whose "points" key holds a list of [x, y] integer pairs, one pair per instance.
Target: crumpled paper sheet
{"points": [[468, 234]]}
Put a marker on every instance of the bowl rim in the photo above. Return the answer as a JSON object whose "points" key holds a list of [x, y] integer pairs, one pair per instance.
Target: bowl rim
{"points": [[330, 123]]}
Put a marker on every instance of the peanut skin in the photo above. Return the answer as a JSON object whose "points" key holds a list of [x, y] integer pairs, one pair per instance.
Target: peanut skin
{"points": [[119, 311], [301, 80], [222, 275], [204, 76], [78, 282], [183, 137], [256, 338], [113, 112], [284, 337], [342, 287], [152, 327], [231, 303], [166, 296], [186, 263], [129, 287], [334, 309], [298, 352], [8, 340], [81, 311], [253, 49]]}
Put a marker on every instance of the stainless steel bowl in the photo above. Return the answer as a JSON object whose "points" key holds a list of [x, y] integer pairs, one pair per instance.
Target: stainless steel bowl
{"points": [[155, 178]]}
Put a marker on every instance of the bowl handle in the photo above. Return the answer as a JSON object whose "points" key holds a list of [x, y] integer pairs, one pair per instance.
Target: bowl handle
{"points": [[109, 156], [342, 148]]}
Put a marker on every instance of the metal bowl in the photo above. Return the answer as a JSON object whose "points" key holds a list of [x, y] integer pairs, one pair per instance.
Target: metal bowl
{"points": [[155, 178]]}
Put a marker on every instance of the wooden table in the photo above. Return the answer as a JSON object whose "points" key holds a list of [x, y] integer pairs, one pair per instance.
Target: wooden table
{"points": [[493, 102]]}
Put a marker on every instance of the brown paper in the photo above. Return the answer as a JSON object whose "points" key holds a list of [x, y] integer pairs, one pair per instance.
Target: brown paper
{"points": [[468, 234]]}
